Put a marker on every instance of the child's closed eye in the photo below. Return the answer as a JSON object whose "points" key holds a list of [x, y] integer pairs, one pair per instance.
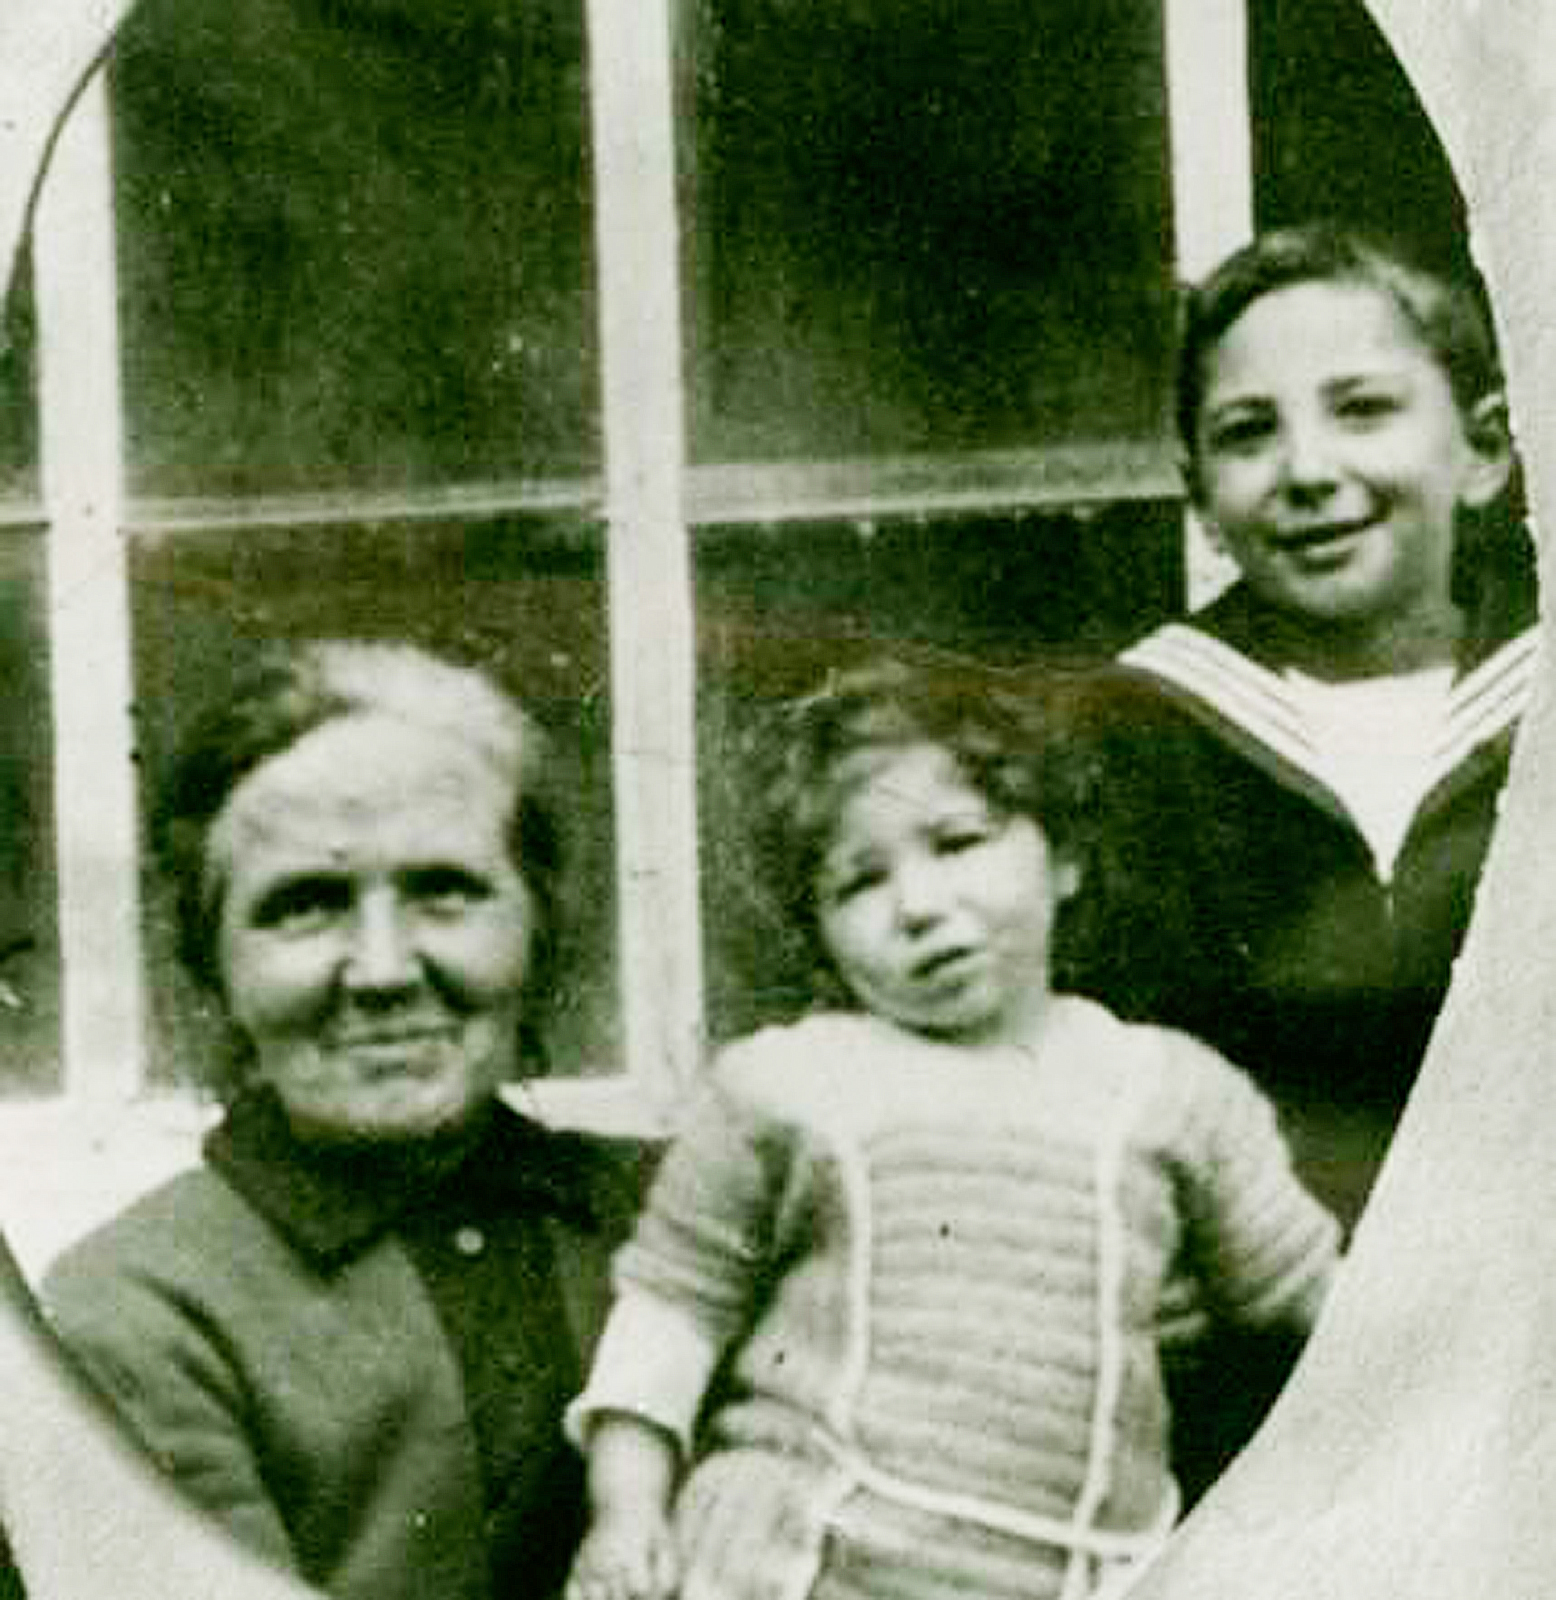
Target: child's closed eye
{"points": [[1365, 407], [964, 836], [1242, 431]]}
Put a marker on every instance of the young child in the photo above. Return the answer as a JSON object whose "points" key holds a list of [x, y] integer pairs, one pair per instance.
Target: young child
{"points": [[890, 1323], [1306, 772]]}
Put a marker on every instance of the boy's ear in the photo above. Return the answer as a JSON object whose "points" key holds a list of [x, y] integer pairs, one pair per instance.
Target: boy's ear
{"points": [[1487, 429], [1192, 486], [1194, 489]]}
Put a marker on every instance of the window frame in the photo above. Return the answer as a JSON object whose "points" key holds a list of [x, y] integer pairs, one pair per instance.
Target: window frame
{"points": [[653, 506]]}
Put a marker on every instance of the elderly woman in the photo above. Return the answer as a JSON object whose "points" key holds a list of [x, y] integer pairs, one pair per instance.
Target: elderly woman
{"points": [[352, 1332]]}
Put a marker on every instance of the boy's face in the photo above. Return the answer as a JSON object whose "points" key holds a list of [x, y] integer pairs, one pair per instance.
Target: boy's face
{"points": [[1332, 458], [936, 910]]}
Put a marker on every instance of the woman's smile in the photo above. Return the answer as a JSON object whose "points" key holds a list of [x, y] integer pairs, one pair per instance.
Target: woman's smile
{"points": [[414, 1051]]}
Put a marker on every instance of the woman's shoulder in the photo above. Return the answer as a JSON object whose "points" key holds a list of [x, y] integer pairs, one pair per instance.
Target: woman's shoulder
{"points": [[172, 1244], [188, 1206]]}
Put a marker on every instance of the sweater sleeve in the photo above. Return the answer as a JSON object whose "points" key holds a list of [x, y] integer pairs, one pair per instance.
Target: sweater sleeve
{"points": [[1262, 1247], [162, 1370], [654, 1362], [709, 1234]]}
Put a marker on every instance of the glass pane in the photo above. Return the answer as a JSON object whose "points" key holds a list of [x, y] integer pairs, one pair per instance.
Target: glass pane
{"points": [[19, 398], [924, 226], [29, 946], [354, 243], [524, 596], [1339, 132], [778, 608]]}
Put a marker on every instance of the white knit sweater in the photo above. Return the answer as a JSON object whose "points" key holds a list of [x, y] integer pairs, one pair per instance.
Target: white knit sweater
{"points": [[941, 1276]]}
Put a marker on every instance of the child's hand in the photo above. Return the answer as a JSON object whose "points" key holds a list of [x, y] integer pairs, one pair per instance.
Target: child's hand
{"points": [[625, 1558]]}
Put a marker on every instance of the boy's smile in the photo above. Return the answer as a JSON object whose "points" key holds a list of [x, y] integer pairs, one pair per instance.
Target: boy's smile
{"points": [[936, 910]]}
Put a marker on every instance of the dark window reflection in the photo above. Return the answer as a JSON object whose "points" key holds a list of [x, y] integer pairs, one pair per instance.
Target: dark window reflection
{"points": [[18, 396], [29, 951], [354, 243], [925, 225], [1339, 132]]}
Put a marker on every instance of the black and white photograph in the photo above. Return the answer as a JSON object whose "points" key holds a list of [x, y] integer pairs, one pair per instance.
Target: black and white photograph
{"points": [[773, 813]]}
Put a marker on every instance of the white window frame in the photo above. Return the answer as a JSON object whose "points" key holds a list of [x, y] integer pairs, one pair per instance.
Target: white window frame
{"points": [[105, 1111], [1212, 184]]}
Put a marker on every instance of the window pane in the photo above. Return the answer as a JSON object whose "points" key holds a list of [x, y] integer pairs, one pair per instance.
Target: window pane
{"points": [[523, 596], [778, 608], [29, 948], [921, 225], [354, 243], [18, 397], [1339, 132]]}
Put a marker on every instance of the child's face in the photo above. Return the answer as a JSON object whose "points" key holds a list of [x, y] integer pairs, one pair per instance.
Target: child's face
{"points": [[1332, 457], [937, 911]]}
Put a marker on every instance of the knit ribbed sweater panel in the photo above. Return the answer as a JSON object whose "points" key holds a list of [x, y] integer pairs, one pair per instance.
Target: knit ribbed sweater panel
{"points": [[982, 1312], [943, 1271]]}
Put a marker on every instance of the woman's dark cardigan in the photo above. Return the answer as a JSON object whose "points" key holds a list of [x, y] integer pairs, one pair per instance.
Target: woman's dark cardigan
{"points": [[359, 1364]]}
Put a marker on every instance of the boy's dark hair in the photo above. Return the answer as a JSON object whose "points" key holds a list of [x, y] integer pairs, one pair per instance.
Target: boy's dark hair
{"points": [[1449, 316], [1017, 748]]}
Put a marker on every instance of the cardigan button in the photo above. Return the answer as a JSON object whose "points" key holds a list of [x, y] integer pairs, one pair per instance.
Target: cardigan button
{"points": [[469, 1241]]}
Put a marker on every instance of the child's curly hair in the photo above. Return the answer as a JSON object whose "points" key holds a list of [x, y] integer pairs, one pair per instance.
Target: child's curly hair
{"points": [[1018, 747]]}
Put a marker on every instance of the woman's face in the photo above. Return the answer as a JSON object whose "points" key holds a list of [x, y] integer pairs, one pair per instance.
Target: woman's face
{"points": [[374, 930], [1332, 457]]}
